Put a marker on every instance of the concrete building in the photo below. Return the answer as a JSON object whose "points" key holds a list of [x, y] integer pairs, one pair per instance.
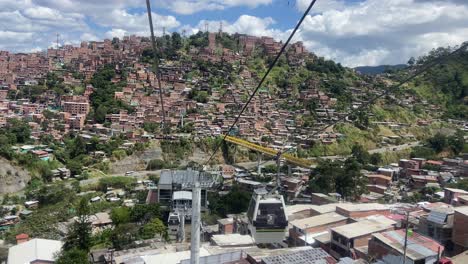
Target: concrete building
{"points": [[362, 209], [460, 229], [451, 195], [346, 239], [303, 231], [37, 251], [389, 246], [437, 224]]}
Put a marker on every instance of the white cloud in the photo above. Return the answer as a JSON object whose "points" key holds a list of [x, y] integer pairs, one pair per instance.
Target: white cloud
{"points": [[41, 12], [88, 37], [116, 33], [136, 23], [376, 32], [187, 7], [321, 5], [245, 24]]}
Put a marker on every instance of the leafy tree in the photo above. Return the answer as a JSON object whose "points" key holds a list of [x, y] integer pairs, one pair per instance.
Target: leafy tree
{"points": [[176, 41], [123, 235], [115, 182], [438, 142], [119, 154], [142, 213], [422, 152], [360, 154], [73, 256], [456, 142], [18, 131], [375, 158], [100, 114], [120, 215], [236, 201], [155, 227], [51, 194], [335, 176], [79, 234], [151, 127], [156, 164]]}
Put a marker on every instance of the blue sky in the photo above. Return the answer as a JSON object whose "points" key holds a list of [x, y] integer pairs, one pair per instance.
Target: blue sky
{"points": [[353, 32]]}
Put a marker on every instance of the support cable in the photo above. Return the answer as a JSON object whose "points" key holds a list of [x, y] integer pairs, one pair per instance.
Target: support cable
{"points": [[283, 48], [156, 65]]}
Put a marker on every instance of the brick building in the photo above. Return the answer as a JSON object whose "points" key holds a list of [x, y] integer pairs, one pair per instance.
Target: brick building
{"points": [[76, 108], [460, 229]]}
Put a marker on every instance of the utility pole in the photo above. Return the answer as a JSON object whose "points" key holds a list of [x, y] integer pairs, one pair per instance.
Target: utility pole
{"points": [[278, 168], [156, 65], [259, 161], [406, 237], [195, 236]]}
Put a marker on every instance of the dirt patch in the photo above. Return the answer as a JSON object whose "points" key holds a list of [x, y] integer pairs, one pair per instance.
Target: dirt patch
{"points": [[12, 178]]}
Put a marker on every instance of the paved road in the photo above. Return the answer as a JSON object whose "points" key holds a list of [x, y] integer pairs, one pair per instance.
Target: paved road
{"points": [[395, 148]]}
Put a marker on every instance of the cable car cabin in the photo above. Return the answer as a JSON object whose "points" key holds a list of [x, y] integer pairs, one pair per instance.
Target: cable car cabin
{"points": [[173, 219], [267, 217]]}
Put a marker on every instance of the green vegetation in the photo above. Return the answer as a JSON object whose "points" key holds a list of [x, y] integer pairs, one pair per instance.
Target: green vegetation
{"points": [[102, 99], [344, 178], [235, 202], [174, 151], [115, 182], [439, 143]]}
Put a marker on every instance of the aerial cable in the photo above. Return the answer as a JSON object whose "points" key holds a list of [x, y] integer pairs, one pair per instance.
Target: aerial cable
{"points": [[156, 65], [283, 48], [392, 89]]}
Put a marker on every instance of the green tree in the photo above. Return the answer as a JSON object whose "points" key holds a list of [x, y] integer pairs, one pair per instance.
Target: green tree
{"points": [[438, 142], [79, 234], [153, 228], [360, 154], [375, 158], [143, 213], [73, 256], [156, 164], [123, 235], [176, 41], [100, 114], [18, 130], [456, 142], [120, 215]]}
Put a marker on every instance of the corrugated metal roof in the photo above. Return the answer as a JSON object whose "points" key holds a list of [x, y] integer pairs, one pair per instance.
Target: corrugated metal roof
{"points": [[419, 246], [186, 178], [310, 256], [182, 195], [437, 217]]}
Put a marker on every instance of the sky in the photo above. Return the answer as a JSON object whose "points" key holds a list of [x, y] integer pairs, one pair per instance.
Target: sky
{"points": [[352, 32]]}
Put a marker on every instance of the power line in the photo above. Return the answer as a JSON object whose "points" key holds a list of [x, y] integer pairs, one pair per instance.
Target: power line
{"points": [[283, 48], [421, 70], [156, 64]]}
